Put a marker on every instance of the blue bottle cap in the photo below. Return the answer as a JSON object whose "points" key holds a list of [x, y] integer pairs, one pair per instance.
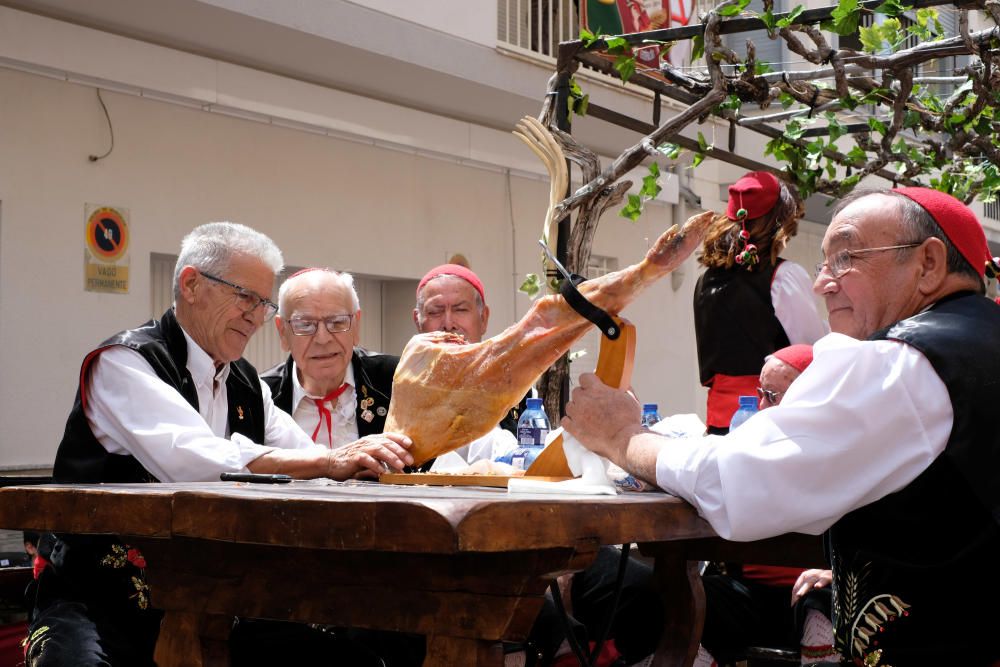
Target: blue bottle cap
{"points": [[748, 402], [534, 404], [649, 407]]}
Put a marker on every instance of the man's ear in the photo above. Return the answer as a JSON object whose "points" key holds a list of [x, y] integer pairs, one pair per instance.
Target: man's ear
{"points": [[356, 328], [189, 283], [933, 265], [416, 320], [282, 328], [486, 318]]}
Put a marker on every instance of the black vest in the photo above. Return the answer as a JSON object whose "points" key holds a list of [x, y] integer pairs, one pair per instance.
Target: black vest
{"points": [[734, 322], [82, 459], [372, 377], [915, 572]]}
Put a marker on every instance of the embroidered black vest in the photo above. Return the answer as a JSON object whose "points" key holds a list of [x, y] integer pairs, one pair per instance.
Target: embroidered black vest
{"points": [[82, 459], [915, 570], [734, 322]]}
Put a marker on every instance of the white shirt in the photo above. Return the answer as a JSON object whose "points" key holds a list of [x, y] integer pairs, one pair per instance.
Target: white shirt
{"points": [[495, 443], [132, 411], [864, 420], [345, 421], [795, 305]]}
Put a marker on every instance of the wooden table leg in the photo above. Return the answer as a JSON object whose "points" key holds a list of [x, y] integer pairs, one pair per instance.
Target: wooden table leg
{"points": [[679, 583], [449, 651], [193, 640]]}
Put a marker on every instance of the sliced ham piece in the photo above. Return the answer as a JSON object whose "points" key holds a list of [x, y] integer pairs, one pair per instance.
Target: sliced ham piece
{"points": [[447, 393]]}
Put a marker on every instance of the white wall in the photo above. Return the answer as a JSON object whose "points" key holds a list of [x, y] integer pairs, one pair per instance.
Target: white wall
{"points": [[325, 201], [475, 21]]}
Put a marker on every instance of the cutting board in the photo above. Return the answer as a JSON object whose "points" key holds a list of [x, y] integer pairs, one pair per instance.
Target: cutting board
{"points": [[444, 479]]}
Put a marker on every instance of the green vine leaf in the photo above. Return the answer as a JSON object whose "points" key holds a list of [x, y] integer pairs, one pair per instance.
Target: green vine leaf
{"points": [[650, 188], [697, 47], [577, 101], [616, 44], [633, 209], [769, 21], [531, 286], [892, 8], [845, 18], [791, 17], [672, 151], [625, 66], [733, 10], [928, 24], [834, 127]]}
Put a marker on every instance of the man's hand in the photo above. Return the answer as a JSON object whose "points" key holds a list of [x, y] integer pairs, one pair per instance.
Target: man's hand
{"points": [[370, 456], [602, 419], [809, 580], [367, 457]]}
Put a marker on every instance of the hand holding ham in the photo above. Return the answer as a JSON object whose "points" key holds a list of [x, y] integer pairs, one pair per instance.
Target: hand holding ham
{"points": [[602, 419]]}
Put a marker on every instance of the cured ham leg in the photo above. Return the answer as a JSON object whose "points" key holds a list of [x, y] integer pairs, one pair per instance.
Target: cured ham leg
{"points": [[446, 392]]}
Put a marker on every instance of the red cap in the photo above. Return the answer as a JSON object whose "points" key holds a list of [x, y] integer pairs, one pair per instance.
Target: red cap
{"points": [[308, 270], [958, 223], [754, 194], [797, 356], [454, 270]]}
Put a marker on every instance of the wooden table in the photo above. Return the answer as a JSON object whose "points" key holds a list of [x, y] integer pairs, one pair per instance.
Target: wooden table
{"points": [[465, 566]]}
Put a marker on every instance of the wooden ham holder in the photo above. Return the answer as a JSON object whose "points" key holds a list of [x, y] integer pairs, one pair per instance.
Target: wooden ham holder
{"points": [[614, 367]]}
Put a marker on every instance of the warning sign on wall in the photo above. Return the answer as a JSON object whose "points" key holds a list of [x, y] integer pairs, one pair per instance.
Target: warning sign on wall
{"points": [[106, 257]]}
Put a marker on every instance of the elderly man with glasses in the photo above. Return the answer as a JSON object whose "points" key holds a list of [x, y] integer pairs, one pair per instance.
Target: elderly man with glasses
{"points": [[888, 442], [337, 391], [171, 401]]}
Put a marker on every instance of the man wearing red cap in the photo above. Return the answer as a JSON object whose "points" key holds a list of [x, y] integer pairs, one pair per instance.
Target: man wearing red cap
{"points": [[749, 606], [888, 442], [451, 297], [749, 302]]}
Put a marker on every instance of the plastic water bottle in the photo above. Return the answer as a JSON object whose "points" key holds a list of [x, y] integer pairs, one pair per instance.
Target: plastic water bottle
{"points": [[532, 428], [748, 407], [649, 414]]}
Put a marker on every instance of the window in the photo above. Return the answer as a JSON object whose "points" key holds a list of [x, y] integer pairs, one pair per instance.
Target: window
{"points": [[537, 26]]}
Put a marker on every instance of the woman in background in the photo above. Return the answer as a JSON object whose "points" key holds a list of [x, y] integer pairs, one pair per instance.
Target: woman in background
{"points": [[750, 302]]}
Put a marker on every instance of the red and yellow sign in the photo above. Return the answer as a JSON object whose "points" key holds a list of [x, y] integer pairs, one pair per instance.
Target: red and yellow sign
{"points": [[620, 17], [106, 259]]}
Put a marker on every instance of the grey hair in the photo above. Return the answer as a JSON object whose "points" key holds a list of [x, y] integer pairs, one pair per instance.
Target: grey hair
{"points": [[211, 247], [917, 225], [342, 278], [421, 300]]}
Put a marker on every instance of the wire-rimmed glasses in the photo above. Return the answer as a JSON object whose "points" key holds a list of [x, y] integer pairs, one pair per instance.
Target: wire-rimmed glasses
{"points": [[303, 326], [246, 300], [840, 262]]}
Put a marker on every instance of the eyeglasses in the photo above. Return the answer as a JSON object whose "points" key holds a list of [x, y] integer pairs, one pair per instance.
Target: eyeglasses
{"points": [[773, 397], [247, 300], [334, 324], [840, 262]]}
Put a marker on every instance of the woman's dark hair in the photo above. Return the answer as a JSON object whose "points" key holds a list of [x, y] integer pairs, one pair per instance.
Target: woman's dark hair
{"points": [[769, 232]]}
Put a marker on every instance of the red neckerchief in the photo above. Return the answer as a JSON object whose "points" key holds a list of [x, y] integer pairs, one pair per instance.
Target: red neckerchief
{"points": [[325, 412]]}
